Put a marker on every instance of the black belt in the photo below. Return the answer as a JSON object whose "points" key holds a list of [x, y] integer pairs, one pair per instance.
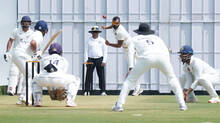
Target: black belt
{"points": [[95, 58]]}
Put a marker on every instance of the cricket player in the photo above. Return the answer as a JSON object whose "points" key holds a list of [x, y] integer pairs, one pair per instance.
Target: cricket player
{"points": [[27, 50], [53, 74], [203, 74], [152, 53], [185, 81], [123, 38], [18, 35]]}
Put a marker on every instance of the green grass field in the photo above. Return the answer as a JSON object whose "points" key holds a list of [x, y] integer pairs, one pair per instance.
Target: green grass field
{"points": [[97, 109]]}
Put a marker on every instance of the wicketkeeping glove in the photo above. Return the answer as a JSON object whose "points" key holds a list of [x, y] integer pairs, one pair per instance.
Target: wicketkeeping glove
{"points": [[57, 94]]}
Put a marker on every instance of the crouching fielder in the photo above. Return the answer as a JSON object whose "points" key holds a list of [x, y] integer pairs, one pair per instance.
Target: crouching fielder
{"points": [[53, 74], [203, 74]]}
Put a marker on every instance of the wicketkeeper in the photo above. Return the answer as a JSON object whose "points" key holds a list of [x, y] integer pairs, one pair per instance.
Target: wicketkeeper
{"points": [[53, 75]]}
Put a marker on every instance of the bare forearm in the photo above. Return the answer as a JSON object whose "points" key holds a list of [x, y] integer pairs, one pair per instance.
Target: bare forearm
{"points": [[107, 27], [115, 45], [33, 46], [189, 90], [9, 44]]}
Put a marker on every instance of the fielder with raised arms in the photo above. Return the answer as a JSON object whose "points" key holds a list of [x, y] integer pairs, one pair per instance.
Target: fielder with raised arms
{"points": [[26, 50], [18, 35], [152, 53], [53, 74], [123, 38], [197, 72]]}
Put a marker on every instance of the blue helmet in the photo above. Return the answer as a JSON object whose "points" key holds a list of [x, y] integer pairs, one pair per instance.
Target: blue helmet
{"points": [[26, 19], [41, 26], [55, 48], [186, 50]]}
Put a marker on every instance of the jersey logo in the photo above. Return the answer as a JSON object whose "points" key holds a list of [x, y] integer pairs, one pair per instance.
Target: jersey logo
{"points": [[149, 42]]}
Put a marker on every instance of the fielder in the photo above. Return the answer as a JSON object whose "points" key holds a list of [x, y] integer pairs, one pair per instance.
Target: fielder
{"points": [[53, 74], [152, 53], [123, 38], [185, 81], [202, 73], [18, 35], [26, 50]]}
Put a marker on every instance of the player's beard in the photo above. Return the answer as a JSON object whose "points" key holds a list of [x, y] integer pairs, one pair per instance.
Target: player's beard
{"points": [[115, 26], [185, 60], [25, 26]]}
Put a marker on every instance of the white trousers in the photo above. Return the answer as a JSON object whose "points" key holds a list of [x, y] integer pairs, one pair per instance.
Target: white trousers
{"points": [[20, 58], [15, 78], [186, 82], [207, 81], [138, 84], [162, 62], [58, 80]]}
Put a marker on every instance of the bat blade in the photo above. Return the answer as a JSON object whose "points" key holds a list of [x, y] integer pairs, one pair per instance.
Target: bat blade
{"points": [[51, 40]]}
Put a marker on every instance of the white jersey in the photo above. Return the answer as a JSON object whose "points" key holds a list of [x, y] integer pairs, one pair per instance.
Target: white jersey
{"points": [[20, 37], [59, 62], [198, 68], [122, 34], [96, 48], [23, 45], [145, 46]]}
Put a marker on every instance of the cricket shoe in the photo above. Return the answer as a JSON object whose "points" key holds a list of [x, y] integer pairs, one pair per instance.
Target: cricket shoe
{"points": [[214, 100], [183, 108], [192, 100], [37, 104], [137, 92], [71, 105], [24, 102], [103, 94], [19, 103], [117, 108], [86, 94], [11, 94]]}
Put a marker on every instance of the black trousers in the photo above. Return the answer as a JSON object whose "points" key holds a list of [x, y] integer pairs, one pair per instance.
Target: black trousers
{"points": [[89, 74]]}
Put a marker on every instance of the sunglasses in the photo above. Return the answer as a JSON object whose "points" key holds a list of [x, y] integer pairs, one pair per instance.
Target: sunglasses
{"points": [[115, 23]]}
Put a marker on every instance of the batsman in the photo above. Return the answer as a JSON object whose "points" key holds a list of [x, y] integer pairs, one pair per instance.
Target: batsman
{"points": [[18, 36], [27, 50]]}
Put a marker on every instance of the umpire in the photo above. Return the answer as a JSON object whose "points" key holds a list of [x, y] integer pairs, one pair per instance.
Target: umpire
{"points": [[95, 56]]}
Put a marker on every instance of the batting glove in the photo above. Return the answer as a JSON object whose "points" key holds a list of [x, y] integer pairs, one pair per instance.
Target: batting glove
{"points": [[37, 56], [7, 56]]}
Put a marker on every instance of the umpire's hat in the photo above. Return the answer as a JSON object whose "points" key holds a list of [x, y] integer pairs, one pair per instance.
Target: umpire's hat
{"points": [[95, 29], [144, 29]]}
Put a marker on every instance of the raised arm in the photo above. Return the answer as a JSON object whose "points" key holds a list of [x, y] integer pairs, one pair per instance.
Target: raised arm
{"points": [[106, 27], [118, 45]]}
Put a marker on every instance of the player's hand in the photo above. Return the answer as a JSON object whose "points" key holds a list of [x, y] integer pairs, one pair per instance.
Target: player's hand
{"points": [[103, 27], [107, 42], [103, 64], [185, 96], [37, 56], [128, 72], [7, 56]]}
